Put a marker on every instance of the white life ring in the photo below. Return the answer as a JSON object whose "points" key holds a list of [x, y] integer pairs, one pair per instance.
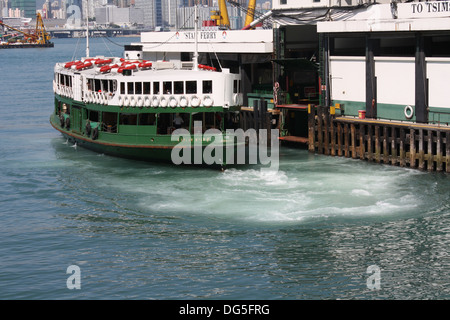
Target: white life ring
{"points": [[126, 101], [183, 101], [207, 101], [133, 101], [140, 102], [155, 101], [147, 102], [173, 102], [409, 112], [120, 100], [195, 101], [163, 102]]}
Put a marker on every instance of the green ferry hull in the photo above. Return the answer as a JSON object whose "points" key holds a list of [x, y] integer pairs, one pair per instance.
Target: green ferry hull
{"points": [[150, 153]]}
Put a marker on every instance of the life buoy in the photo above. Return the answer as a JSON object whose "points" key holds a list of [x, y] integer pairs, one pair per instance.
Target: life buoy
{"points": [[173, 102], [126, 101], [95, 133], [163, 102], [183, 101], [207, 101], [195, 101], [140, 102], [409, 112], [132, 101], [147, 102], [155, 101]]}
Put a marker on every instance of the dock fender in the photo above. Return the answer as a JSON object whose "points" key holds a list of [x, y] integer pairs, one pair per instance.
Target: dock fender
{"points": [[409, 112]]}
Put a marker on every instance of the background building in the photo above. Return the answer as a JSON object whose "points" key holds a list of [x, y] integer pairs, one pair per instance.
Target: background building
{"points": [[27, 7]]}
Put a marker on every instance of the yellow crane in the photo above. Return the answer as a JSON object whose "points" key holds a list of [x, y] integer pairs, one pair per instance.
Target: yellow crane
{"points": [[40, 35], [221, 15], [250, 12]]}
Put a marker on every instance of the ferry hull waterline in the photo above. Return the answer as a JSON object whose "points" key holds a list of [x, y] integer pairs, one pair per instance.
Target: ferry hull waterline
{"points": [[153, 147]]}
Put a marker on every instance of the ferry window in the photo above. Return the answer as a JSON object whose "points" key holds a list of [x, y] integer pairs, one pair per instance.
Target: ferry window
{"points": [[156, 88], [178, 87], [167, 87], [147, 119], [97, 85], [122, 88], [90, 84], [191, 87], [138, 88], [128, 119], [109, 122], [93, 115], [146, 87], [113, 85], [207, 86], [105, 85], [235, 86], [130, 86]]}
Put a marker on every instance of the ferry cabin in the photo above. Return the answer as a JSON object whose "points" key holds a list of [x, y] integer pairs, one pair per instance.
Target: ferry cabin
{"points": [[138, 106]]}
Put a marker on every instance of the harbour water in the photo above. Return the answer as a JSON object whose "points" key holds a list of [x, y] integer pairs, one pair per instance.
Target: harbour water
{"points": [[145, 231]]}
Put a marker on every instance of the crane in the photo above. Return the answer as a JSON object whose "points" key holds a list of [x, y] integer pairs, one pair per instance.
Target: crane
{"points": [[40, 35], [221, 16], [222, 19]]}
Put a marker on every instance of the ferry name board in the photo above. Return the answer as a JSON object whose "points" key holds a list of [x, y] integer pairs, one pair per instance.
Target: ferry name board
{"points": [[424, 9]]}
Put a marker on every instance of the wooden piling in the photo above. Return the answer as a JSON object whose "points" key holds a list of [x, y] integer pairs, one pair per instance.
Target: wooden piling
{"points": [[353, 140], [412, 148], [405, 145]]}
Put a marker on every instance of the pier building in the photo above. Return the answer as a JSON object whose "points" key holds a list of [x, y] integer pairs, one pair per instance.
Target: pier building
{"points": [[381, 79]]}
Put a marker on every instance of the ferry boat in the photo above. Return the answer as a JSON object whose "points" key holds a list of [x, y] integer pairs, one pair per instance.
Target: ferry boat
{"points": [[131, 107]]}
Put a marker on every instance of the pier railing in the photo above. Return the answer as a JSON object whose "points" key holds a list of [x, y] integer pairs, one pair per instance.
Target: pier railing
{"points": [[403, 144]]}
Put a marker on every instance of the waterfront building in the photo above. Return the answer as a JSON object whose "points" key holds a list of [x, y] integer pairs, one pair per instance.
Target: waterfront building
{"points": [[28, 7]]}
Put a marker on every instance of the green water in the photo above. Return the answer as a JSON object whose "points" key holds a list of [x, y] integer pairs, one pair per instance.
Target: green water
{"points": [[144, 231]]}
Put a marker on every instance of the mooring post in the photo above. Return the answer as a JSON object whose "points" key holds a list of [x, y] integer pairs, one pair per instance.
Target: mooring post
{"points": [[421, 151], [385, 145], [346, 140], [339, 138], [447, 151], [438, 151], [402, 147], [412, 148], [319, 129], [377, 145], [326, 117], [393, 146], [430, 150], [353, 137], [361, 141], [311, 127]]}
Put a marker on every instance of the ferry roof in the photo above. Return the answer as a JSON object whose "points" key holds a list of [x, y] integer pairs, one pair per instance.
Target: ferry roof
{"points": [[219, 41]]}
